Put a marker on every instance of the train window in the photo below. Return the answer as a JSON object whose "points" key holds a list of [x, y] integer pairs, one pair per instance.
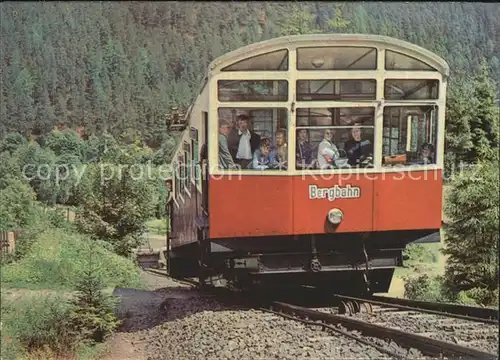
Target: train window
{"points": [[195, 155], [271, 61], [409, 89], [187, 162], [398, 61], [409, 135], [320, 90], [334, 138], [253, 138], [336, 58], [252, 90], [177, 184]]}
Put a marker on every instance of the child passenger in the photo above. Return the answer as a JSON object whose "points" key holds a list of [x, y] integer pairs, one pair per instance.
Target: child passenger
{"points": [[264, 157]]}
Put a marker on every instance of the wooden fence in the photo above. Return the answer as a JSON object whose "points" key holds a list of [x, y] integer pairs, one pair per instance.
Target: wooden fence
{"points": [[7, 242]]}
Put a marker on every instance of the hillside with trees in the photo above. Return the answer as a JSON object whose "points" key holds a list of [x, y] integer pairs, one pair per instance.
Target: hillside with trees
{"points": [[119, 67], [88, 86]]}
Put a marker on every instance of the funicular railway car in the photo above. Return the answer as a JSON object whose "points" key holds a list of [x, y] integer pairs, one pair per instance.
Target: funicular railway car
{"points": [[320, 158]]}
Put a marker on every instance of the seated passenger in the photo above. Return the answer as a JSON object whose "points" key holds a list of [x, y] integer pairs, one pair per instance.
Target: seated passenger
{"points": [[264, 157], [426, 154], [358, 151], [327, 151], [304, 150], [281, 148], [225, 158]]}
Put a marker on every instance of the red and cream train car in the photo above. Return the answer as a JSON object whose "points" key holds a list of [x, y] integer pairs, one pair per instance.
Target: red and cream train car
{"points": [[311, 159]]}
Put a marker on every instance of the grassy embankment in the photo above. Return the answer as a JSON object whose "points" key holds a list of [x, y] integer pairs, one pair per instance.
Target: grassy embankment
{"points": [[35, 290], [426, 258]]}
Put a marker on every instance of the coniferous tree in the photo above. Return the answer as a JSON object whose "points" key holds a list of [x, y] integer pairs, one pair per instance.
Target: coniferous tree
{"points": [[485, 119]]}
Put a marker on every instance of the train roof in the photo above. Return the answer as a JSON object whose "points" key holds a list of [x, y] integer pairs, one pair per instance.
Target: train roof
{"points": [[331, 40]]}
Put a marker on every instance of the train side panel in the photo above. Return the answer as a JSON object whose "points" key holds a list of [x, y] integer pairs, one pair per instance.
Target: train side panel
{"points": [[250, 206], [408, 201]]}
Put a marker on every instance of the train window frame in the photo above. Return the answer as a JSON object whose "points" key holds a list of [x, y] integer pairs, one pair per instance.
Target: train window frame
{"points": [[366, 161], [413, 149], [336, 94], [388, 52], [285, 62], [195, 156], [433, 85], [186, 148], [259, 97], [281, 121], [317, 64]]}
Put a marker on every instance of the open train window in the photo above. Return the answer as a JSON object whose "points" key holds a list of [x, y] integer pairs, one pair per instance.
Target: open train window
{"points": [[253, 139], [335, 89], [409, 135], [334, 138]]}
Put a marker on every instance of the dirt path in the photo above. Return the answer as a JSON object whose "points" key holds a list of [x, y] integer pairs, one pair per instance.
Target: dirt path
{"points": [[141, 310]]}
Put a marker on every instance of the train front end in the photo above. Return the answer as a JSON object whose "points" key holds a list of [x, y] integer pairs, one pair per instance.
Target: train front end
{"points": [[325, 160]]}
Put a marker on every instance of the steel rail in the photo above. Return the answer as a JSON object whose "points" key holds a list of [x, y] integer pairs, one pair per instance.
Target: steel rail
{"points": [[345, 333], [485, 315], [428, 346]]}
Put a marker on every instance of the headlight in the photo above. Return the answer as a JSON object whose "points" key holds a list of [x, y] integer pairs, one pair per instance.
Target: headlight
{"points": [[335, 216]]}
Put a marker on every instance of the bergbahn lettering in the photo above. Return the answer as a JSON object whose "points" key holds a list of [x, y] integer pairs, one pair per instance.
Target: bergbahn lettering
{"points": [[334, 192]]}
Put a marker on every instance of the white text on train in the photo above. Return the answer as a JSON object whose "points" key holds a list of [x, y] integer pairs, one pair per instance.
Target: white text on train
{"points": [[335, 192]]}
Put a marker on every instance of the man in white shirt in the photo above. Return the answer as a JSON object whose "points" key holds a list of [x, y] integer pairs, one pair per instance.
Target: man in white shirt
{"points": [[243, 142]]}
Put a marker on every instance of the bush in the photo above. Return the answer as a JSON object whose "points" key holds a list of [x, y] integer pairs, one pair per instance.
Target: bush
{"points": [[425, 288], [57, 259], [35, 322], [53, 324]]}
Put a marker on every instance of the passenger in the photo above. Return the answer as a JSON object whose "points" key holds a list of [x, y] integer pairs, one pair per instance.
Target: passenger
{"points": [[304, 149], [225, 158], [264, 157], [327, 151], [357, 150], [243, 142], [281, 147], [427, 154]]}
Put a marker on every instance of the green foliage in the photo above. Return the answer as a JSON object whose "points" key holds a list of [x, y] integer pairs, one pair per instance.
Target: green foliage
{"points": [[93, 315], [16, 204], [485, 118], [425, 288], [56, 259], [115, 203], [34, 322], [458, 129], [420, 255], [472, 235], [119, 78]]}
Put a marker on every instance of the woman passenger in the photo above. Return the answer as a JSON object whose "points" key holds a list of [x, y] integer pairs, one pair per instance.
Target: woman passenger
{"points": [[327, 151]]}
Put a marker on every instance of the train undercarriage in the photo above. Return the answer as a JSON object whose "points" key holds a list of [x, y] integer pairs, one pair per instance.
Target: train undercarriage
{"points": [[349, 263]]}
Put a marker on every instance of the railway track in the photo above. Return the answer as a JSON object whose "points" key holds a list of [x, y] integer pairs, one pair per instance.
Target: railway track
{"points": [[340, 323], [371, 324]]}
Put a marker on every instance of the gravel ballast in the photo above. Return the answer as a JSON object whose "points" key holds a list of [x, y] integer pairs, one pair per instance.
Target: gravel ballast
{"points": [[173, 321]]}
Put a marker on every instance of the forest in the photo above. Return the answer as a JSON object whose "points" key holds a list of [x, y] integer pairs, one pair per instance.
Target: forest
{"points": [[87, 85], [119, 67]]}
